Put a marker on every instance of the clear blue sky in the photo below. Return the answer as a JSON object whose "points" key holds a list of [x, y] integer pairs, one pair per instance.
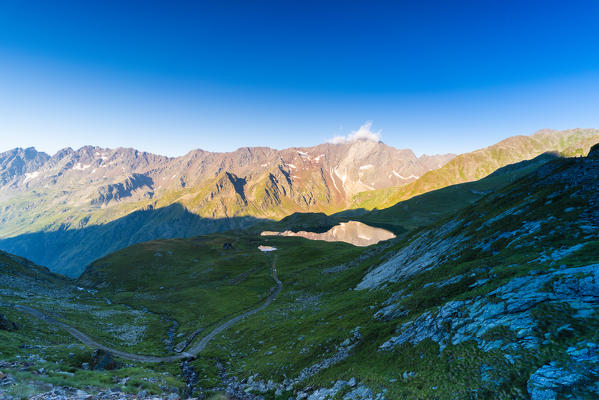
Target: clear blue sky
{"points": [[167, 77]]}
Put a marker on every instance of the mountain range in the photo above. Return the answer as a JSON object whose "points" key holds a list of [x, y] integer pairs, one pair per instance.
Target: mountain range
{"points": [[66, 210], [262, 179]]}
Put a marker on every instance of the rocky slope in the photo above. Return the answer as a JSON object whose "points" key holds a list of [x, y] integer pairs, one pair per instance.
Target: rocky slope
{"points": [[252, 174], [20, 162], [38, 360]]}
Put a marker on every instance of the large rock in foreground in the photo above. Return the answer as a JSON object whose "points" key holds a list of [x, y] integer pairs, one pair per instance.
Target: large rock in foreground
{"points": [[7, 325]]}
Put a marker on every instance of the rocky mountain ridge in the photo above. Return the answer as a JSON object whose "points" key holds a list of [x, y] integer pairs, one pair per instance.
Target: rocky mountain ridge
{"points": [[346, 166]]}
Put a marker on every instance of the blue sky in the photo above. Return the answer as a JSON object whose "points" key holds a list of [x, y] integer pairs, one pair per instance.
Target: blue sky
{"points": [[168, 77]]}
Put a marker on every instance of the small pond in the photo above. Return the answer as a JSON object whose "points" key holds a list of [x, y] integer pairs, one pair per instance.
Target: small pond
{"points": [[353, 232]]}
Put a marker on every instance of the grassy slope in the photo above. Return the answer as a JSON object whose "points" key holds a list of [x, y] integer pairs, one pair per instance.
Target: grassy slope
{"points": [[429, 207], [38, 345], [15, 266], [472, 166], [195, 281], [219, 283]]}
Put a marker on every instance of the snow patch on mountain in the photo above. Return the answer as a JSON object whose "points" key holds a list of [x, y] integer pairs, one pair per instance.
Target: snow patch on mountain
{"points": [[102, 156], [30, 176], [412, 176], [333, 179], [342, 177], [81, 167]]}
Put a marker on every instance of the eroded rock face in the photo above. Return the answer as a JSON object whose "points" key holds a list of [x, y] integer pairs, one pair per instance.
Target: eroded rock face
{"points": [[136, 186], [545, 383], [577, 377], [20, 162], [422, 253], [353, 232], [459, 321]]}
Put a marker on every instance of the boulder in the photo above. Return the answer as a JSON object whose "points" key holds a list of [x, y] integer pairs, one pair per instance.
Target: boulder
{"points": [[7, 325], [103, 360]]}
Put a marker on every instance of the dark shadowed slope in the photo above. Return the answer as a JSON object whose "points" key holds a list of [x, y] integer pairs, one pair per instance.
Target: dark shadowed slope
{"points": [[69, 251]]}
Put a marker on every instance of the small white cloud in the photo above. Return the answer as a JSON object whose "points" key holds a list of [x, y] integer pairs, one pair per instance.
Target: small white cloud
{"points": [[338, 140], [364, 133]]}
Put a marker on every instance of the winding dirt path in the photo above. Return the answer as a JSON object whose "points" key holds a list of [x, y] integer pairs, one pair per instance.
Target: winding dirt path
{"points": [[192, 352]]}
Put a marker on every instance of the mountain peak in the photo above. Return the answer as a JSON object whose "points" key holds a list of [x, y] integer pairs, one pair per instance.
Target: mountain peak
{"points": [[545, 131]]}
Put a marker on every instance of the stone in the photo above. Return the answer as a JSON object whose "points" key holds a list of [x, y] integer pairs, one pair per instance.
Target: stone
{"points": [[81, 395], [422, 253], [359, 393], [102, 360], [547, 381], [7, 325]]}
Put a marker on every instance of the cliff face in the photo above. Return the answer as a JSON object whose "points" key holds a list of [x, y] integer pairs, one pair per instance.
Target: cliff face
{"points": [[20, 163]]}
